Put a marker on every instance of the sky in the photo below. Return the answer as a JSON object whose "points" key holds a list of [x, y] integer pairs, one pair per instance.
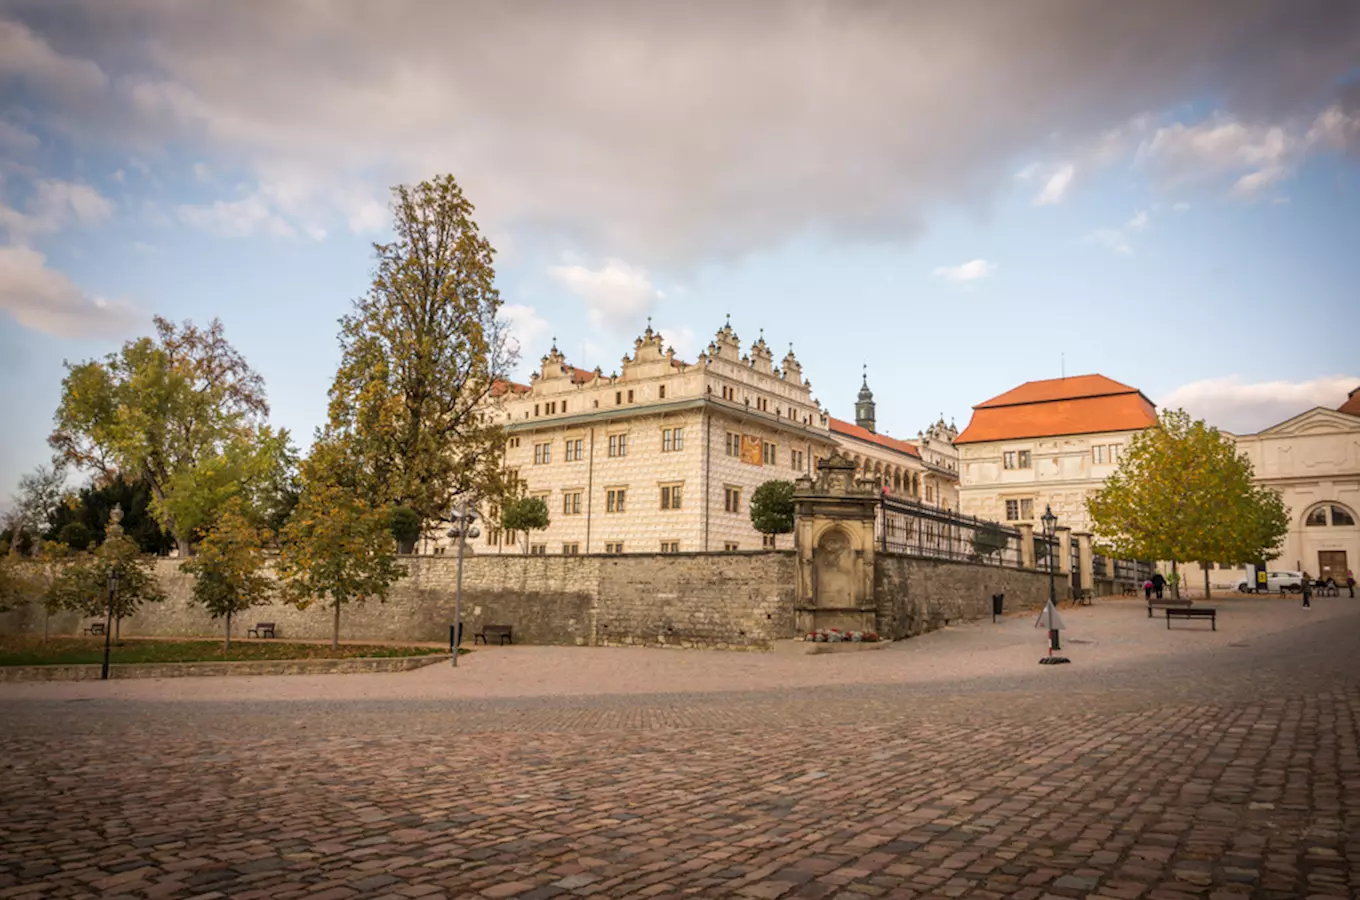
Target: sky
{"points": [[960, 197]]}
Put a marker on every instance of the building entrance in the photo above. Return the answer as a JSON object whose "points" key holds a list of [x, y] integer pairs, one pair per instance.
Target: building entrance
{"points": [[1332, 564]]}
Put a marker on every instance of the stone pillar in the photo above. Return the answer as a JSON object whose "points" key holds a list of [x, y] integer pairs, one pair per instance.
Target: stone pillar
{"points": [[1063, 551], [1026, 546], [1086, 559], [834, 524]]}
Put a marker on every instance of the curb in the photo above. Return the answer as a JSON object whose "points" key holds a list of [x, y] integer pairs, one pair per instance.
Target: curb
{"points": [[208, 669]]}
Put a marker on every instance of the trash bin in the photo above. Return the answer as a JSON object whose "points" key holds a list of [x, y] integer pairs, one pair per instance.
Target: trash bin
{"points": [[998, 602], [455, 639]]}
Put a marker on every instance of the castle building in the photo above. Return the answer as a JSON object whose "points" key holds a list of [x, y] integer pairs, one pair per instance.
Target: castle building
{"points": [[663, 456], [1047, 443]]}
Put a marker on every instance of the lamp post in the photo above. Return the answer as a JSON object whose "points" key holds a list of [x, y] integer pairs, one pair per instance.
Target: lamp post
{"points": [[108, 621], [1050, 530], [463, 528]]}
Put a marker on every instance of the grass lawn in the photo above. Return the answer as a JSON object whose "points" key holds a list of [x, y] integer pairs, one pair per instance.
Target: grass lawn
{"points": [[32, 651]]}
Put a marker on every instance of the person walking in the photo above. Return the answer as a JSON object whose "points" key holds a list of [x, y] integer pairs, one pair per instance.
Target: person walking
{"points": [[1350, 582], [1158, 584], [1307, 585], [1147, 590]]}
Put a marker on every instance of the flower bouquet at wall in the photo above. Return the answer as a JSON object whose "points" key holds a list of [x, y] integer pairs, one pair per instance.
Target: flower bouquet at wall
{"points": [[836, 636]]}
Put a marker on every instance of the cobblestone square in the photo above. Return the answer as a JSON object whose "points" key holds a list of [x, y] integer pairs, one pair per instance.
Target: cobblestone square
{"points": [[1192, 765]]}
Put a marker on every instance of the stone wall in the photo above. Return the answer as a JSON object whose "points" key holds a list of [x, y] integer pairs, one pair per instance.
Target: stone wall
{"points": [[918, 595]]}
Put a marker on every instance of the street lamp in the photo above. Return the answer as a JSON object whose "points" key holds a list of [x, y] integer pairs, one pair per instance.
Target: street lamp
{"points": [[464, 527], [108, 621], [1050, 530]]}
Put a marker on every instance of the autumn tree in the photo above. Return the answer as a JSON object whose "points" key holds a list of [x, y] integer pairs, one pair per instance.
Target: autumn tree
{"points": [[1183, 493], [40, 495], [82, 584], [89, 509], [772, 507], [336, 549], [177, 410], [526, 514], [420, 354], [228, 567]]}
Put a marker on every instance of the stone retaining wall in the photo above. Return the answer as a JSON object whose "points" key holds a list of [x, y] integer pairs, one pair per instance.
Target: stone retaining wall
{"points": [[918, 595], [85, 672]]}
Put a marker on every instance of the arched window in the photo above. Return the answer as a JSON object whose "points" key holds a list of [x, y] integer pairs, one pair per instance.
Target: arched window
{"points": [[1329, 514]]}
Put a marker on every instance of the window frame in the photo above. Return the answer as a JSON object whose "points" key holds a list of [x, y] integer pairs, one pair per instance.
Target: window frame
{"points": [[616, 500], [672, 496]]}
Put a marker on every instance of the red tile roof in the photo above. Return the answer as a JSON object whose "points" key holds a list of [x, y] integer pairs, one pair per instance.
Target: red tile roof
{"points": [[500, 387], [1084, 404], [850, 429], [1352, 404], [580, 376]]}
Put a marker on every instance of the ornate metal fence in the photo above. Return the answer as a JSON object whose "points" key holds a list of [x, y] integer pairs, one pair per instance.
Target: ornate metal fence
{"points": [[914, 529]]}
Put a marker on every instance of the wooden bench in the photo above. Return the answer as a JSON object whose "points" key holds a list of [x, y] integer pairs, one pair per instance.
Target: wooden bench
{"points": [[1166, 604], [493, 631], [1083, 597], [96, 628], [261, 630], [1199, 612]]}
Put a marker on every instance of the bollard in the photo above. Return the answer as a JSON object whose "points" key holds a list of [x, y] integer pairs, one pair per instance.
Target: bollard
{"points": [[998, 605]]}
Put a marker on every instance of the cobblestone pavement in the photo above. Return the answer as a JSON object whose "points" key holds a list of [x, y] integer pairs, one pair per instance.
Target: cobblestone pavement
{"points": [[1225, 775]]}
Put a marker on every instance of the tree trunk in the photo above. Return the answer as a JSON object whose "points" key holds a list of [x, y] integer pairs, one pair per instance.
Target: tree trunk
{"points": [[335, 636], [117, 628], [227, 645], [1206, 583], [1175, 582]]}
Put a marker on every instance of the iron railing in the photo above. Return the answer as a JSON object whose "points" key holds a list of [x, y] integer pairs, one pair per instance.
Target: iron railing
{"points": [[915, 529]]}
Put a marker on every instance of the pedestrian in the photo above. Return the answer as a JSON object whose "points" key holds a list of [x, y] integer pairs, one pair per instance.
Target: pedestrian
{"points": [[1147, 590], [1350, 582], [1307, 584], [1158, 584]]}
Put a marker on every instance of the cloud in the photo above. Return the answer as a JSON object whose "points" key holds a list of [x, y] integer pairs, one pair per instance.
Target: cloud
{"points": [[1138, 222], [527, 330], [1055, 188], [973, 270], [569, 127], [681, 339], [616, 295], [237, 218], [14, 139], [52, 205], [1180, 206], [46, 300], [1243, 408], [1112, 239]]}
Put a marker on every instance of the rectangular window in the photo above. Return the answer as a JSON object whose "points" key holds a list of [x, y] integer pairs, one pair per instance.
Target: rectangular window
{"points": [[1114, 453], [1022, 459], [670, 496], [1026, 510], [768, 452], [630, 396], [512, 478], [538, 549], [732, 499], [1098, 454], [614, 499], [729, 547], [575, 449], [535, 409], [1008, 459], [1012, 510], [796, 460], [551, 407], [767, 541], [618, 398], [930, 493], [672, 439], [661, 392], [542, 454], [493, 537], [729, 393], [613, 547], [762, 404], [512, 444], [572, 549], [733, 444], [571, 503], [670, 546], [618, 445]]}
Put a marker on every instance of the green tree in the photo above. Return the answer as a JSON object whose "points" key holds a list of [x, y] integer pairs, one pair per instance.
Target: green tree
{"points": [[76, 536], [988, 540], [40, 495], [772, 507], [158, 409], [16, 582], [336, 549], [405, 524], [83, 584], [525, 514], [420, 354], [228, 568], [1183, 493], [92, 505]]}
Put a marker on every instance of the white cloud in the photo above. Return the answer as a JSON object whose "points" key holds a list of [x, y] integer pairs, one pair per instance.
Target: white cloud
{"points": [[46, 300], [27, 56], [1138, 222], [237, 218], [1055, 188], [616, 295], [1112, 239], [1241, 407], [682, 340], [52, 205], [973, 270], [202, 172], [14, 139], [528, 331]]}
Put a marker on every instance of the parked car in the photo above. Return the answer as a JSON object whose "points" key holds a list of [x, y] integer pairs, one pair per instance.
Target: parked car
{"points": [[1276, 581]]}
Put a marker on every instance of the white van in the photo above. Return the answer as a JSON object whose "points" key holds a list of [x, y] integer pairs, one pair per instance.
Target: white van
{"points": [[1276, 581]]}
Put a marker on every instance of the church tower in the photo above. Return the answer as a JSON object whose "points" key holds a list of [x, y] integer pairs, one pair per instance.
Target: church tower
{"points": [[864, 407]]}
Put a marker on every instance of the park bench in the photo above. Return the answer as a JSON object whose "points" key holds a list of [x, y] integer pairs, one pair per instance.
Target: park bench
{"points": [[1199, 612], [493, 631], [1083, 597], [1166, 603], [96, 628], [261, 630], [1130, 589]]}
